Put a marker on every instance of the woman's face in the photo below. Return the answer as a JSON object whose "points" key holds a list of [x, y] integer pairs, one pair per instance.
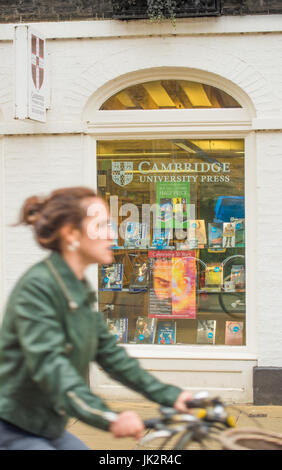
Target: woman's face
{"points": [[96, 236]]}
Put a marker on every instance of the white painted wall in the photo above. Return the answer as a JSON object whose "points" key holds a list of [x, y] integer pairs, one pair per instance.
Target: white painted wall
{"points": [[242, 55]]}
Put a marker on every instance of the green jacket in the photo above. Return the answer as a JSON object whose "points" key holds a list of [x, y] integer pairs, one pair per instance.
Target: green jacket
{"points": [[49, 335]]}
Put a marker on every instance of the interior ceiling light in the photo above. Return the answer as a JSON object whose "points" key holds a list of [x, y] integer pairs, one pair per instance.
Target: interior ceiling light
{"points": [[159, 94], [196, 94]]}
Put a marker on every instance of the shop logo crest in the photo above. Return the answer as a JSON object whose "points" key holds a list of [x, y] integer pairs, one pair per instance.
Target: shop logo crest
{"points": [[122, 173]]}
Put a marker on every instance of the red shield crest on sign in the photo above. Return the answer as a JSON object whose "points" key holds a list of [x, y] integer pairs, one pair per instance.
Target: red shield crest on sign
{"points": [[37, 61]]}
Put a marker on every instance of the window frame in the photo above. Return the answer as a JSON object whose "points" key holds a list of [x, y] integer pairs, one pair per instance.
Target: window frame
{"points": [[231, 123]]}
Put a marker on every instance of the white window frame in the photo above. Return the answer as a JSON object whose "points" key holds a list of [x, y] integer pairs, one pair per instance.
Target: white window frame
{"points": [[233, 123]]}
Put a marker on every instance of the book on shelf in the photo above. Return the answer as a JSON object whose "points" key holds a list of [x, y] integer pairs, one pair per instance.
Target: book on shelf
{"points": [[197, 233], [206, 331], [237, 276], [136, 235], [111, 277], [213, 277], [173, 203], [228, 235], [229, 286], [180, 211], [161, 238], [118, 328], [234, 333], [114, 229], [239, 232], [187, 244], [215, 231], [145, 330], [166, 333], [139, 280], [172, 284]]}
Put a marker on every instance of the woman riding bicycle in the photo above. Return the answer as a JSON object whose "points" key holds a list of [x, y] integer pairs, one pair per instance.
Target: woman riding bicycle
{"points": [[51, 332]]}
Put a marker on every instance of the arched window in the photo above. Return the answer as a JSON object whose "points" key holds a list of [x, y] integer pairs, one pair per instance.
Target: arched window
{"points": [[170, 94], [172, 168]]}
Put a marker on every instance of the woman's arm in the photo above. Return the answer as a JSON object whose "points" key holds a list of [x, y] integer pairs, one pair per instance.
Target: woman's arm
{"points": [[43, 343], [127, 370]]}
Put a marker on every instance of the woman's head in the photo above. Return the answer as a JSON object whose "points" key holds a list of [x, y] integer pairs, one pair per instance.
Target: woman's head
{"points": [[71, 219]]}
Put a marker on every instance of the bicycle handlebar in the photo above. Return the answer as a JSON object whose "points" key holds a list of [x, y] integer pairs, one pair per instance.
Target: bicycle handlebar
{"points": [[212, 411]]}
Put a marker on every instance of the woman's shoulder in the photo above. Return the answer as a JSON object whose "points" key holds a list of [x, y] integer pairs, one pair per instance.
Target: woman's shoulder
{"points": [[36, 278]]}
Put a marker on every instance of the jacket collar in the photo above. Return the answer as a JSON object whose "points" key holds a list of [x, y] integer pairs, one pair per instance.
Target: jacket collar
{"points": [[78, 290]]}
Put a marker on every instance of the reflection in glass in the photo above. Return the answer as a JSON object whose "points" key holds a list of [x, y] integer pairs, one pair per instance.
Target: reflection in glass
{"points": [[183, 268]]}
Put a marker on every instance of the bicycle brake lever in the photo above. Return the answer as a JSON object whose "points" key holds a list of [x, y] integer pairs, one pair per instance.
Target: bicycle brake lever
{"points": [[152, 423], [167, 412]]}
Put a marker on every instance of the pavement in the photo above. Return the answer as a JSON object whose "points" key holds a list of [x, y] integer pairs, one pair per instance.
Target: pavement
{"points": [[267, 418]]}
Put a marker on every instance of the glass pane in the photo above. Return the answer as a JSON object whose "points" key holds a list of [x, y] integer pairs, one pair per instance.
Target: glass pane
{"points": [[178, 275], [170, 94]]}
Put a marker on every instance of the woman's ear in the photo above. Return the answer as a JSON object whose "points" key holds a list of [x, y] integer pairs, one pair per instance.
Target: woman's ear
{"points": [[69, 234]]}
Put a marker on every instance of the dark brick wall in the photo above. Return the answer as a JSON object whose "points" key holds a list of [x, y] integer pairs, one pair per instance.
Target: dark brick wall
{"points": [[251, 7], [13, 11]]}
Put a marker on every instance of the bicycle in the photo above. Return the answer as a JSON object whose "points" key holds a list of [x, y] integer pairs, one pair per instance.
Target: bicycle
{"points": [[212, 428], [185, 429]]}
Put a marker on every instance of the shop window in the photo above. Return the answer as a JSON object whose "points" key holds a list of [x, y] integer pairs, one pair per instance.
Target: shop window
{"points": [[170, 94], [177, 207]]}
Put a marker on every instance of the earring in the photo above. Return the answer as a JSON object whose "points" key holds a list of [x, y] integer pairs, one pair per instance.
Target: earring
{"points": [[73, 245]]}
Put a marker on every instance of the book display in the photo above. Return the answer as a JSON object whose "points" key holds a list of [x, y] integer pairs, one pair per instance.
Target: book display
{"points": [[215, 235], [140, 277], [111, 277], [234, 333], [237, 276], [206, 331], [214, 277], [197, 233], [173, 201], [118, 328], [228, 235], [136, 235], [166, 332], [161, 238], [178, 275], [145, 330], [172, 284]]}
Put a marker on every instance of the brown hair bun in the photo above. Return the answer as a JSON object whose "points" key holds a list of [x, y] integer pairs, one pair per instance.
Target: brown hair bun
{"points": [[49, 214], [31, 210]]}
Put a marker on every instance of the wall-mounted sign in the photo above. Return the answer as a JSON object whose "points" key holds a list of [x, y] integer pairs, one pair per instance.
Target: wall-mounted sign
{"points": [[30, 74]]}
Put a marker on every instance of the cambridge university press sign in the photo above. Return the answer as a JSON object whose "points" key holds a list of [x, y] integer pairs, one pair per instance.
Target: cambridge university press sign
{"points": [[122, 173]]}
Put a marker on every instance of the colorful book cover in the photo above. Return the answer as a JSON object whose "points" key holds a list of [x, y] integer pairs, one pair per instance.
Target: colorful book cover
{"points": [[166, 332], [180, 211], [237, 276], [214, 277], [173, 199], [145, 330], [228, 235], [160, 284], [172, 286], [140, 277], [136, 235], [239, 232], [215, 231], [197, 233], [234, 333], [111, 277], [161, 238], [206, 331], [118, 327]]}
